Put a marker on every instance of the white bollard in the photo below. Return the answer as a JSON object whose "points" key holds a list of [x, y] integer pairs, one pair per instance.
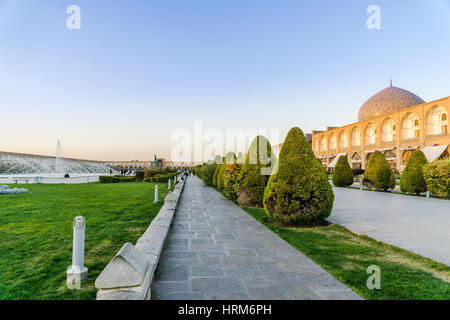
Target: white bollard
{"points": [[428, 194], [156, 194], [169, 183], [360, 184], [77, 271]]}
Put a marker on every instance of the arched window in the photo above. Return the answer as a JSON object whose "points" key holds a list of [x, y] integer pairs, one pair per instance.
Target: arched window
{"points": [[343, 140], [437, 121], [390, 155], [410, 127], [356, 157], [356, 161], [332, 142], [356, 137], [388, 130], [371, 134], [323, 144]]}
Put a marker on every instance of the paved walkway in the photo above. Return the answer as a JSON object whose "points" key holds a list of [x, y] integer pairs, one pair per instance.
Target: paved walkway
{"points": [[216, 250], [416, 224]]}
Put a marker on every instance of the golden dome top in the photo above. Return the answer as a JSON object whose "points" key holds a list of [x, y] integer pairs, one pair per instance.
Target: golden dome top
{"points": [[386, 101]]}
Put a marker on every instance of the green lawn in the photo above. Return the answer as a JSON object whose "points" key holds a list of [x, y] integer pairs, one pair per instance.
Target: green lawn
{"points": [[404, 275], [36, 234]]}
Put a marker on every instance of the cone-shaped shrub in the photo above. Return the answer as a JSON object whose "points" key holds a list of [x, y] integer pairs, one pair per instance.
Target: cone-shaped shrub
{"points": [[231, 174], [342, 173], [377, 161], [384, 178], [230, 158], [412, 179], [216, 174], [207, 172], [298, 191], [255, 173], [220, 176]]}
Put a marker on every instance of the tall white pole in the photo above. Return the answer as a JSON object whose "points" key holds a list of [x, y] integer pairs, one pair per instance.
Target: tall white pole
{"points": [[156, 194], [169, 183], [77, 272]]}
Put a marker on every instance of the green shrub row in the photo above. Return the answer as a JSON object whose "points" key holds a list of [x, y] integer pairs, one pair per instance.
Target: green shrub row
{"points": [[116, 179], [160, 178], [294, 189]]}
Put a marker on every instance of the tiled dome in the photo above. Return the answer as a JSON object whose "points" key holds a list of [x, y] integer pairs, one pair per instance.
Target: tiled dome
{"points": [[388, 100]]}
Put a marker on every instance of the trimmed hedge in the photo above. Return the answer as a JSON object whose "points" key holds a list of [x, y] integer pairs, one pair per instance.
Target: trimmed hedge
{"points": [[106, 179], [377, 161], [140, 175], [116, 179], [412, 179], [342, 173], [153, 172], [437, 177], [251, 182], [160, 178], [299, 192]]}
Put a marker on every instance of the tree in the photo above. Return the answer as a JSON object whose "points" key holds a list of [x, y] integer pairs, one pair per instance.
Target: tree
{"points": [[377, 161], [298, 191], [342, 173], [255, 172], [412, 179]]}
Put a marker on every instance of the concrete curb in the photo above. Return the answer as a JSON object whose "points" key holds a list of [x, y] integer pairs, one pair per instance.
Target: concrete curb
{"points": [[129, 275]]}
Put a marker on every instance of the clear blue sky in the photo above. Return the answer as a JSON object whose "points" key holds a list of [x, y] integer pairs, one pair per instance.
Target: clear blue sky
{"points": [[137, 70]]}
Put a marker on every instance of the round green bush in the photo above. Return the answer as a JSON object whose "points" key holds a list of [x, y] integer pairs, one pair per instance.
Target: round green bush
{"points": [[342, 173], [377, 161], [437, 177], [412, 180], [298, 191], [255, 172]]}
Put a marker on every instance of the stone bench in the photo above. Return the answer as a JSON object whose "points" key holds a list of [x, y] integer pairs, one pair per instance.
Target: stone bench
{"points": [[17, 179]]}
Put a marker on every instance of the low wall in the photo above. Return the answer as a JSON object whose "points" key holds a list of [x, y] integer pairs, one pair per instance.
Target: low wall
{"points": [[130, 273]]}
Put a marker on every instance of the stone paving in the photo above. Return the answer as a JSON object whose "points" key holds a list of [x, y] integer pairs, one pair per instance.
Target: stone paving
{"points": [[416, 224], [215, 250]]}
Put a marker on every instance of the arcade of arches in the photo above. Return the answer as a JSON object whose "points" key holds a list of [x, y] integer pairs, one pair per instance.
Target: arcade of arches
{"points": [[395, 122]]}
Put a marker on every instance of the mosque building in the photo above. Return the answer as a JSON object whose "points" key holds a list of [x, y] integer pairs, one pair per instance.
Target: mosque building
{"points": [[395, 122]]}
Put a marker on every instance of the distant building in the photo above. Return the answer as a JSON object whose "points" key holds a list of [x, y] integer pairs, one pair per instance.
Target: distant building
{"points": [[395, 122]]}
